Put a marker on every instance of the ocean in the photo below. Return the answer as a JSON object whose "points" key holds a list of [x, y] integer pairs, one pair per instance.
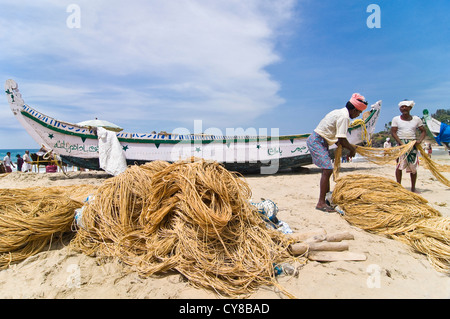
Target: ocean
{"points": [[14, 152]]}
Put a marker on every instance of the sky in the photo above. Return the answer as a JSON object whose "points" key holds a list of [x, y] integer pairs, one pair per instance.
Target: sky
{"points": [[220, 65]]}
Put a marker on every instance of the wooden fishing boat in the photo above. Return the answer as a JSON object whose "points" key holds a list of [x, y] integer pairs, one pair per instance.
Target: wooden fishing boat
{"points": [[78, 145], [440, 131]]}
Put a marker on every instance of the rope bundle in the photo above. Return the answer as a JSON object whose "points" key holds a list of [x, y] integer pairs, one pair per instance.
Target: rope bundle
{"points": [[382, 206], [431, 237], [434, 168], [30, 219], [382, 156], [193, 217], [378, 156]]}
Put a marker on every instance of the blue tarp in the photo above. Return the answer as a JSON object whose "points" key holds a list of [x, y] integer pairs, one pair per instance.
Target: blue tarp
{"points": [[444, 134]]}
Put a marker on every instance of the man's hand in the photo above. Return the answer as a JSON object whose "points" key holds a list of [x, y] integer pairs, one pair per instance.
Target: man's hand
{"points": [[345, 143], [353, 152]]}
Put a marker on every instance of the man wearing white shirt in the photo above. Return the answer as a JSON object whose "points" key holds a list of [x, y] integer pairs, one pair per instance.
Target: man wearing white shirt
{"points": [[26, 162], [332, 129], [8, 163], [403, 130]]}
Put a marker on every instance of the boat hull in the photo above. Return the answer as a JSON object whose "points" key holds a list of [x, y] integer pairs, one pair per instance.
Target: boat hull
{"points": [[245, 168], [78, 145]]}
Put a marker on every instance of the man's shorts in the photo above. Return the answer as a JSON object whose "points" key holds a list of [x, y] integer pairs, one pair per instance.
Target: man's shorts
{"points": [[409, 161], [319, 149]]}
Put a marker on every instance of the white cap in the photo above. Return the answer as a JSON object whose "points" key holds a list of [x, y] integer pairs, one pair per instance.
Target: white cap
{"points": [[407, 103]]}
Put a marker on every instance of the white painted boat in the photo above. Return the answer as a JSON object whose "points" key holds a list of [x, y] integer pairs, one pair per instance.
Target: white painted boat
{"points": [[440, 131], [78, 145]]}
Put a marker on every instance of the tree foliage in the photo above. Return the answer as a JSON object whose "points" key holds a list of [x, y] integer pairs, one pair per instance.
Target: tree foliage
{"points": [[442, 116]]}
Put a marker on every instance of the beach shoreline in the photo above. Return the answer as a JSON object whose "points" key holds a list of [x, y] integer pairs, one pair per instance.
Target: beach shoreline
{"points": [[392, 268]]}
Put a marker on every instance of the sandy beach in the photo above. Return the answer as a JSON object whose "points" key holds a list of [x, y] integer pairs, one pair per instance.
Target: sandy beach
{"points": [[392, 269]]}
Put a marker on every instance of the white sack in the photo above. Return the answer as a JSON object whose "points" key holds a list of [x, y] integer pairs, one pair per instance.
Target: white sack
{"points": [[111, 155]]}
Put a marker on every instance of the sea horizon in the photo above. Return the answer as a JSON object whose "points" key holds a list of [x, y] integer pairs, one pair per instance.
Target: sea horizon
{"points": [[14, 152]]}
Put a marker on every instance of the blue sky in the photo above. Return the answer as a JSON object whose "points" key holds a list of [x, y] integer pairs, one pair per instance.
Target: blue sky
{"points": [[250, 64]]}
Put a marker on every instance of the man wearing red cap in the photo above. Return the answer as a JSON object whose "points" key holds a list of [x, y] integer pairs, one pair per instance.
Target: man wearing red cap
{"points": [[333, 129]]}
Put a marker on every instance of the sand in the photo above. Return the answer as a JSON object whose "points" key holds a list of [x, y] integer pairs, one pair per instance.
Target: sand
{"points": [[392, 269]]}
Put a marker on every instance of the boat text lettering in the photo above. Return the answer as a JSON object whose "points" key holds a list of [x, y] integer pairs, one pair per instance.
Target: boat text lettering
{"points": [[274, 150], [302, 149], [75, 147]]}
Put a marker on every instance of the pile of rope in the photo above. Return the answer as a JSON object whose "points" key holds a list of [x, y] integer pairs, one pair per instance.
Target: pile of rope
{"points": [[434, 168], [192, 217], [30, 219], [382, 156], [365, 136], [382, 206], [378, 156], [75, 192]]}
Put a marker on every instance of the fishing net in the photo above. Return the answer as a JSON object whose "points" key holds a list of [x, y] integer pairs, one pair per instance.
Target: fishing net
{"points": [[382, 156], [192, 217], [378, 156], [431, 237], [382, 206], [434, 168], [76, 192], [30, 219]]}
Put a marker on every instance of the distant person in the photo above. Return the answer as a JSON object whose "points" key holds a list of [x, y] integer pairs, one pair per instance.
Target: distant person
{"points": [[26, 162], [387, 144], [429, 150], [8, 163], [332, 129], [403, 130], [19, 163]]}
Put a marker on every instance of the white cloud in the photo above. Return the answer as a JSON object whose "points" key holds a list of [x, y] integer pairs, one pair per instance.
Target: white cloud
{"points": [[187, 59]]}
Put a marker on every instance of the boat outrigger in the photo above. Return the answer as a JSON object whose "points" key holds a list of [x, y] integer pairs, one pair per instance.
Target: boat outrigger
{"points": [[78, 144]]}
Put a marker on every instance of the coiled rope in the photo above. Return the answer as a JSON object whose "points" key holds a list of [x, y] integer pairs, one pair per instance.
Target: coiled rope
{"points": [[383, 156], [192, 217], [382, 206]]}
